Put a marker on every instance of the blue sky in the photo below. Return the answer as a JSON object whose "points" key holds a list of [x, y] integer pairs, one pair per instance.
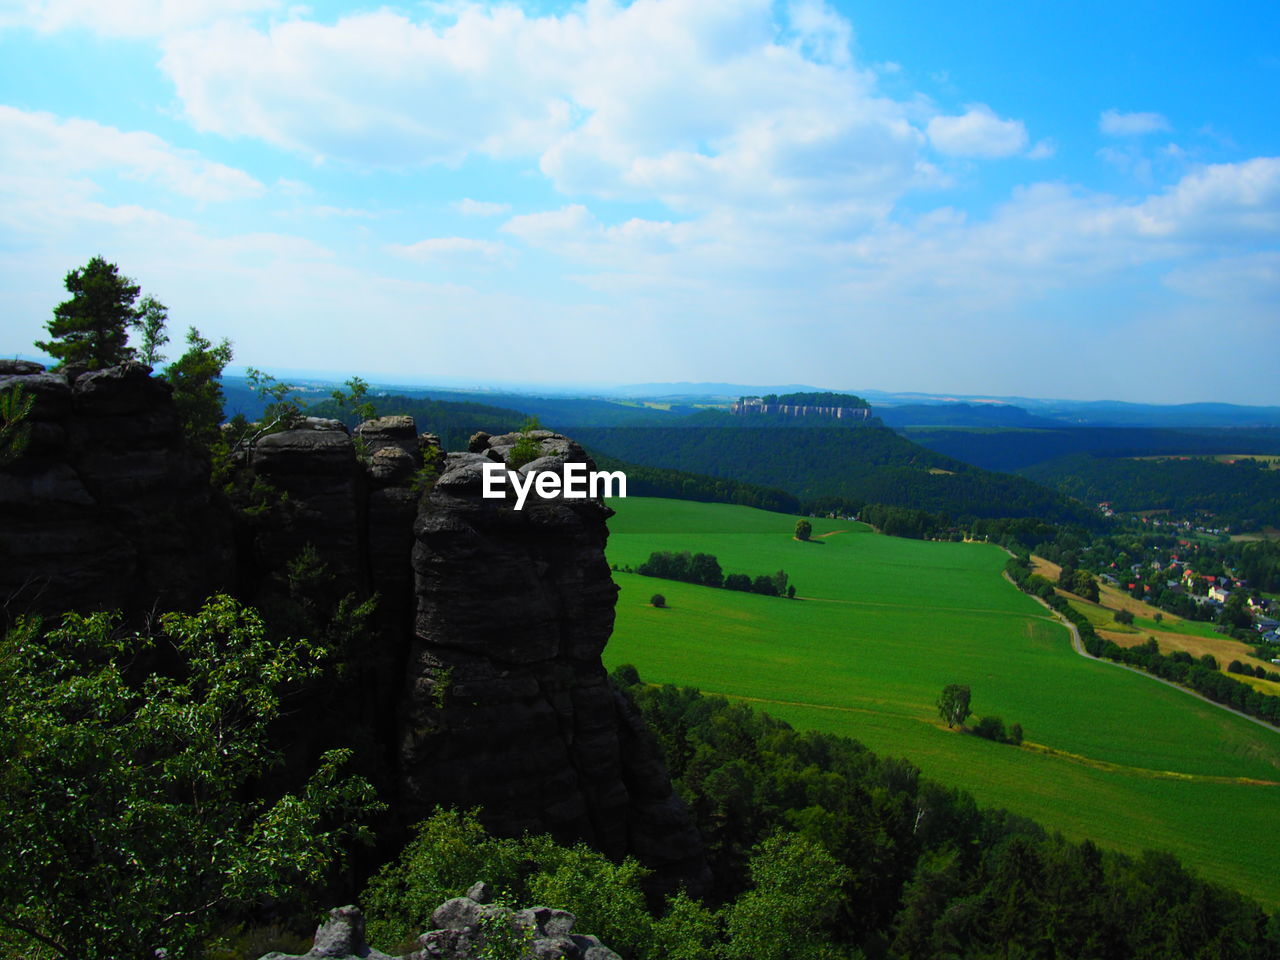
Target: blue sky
{"points": [[1076, 200]]}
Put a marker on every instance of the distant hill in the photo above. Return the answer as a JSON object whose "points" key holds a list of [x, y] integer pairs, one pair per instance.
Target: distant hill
{"points": [[1244, 494], [563, 413], [1017, 449], [831, 463], [962, 415]]}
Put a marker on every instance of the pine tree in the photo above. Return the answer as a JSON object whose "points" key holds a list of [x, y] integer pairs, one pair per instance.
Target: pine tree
{"points": [[92, 328]]}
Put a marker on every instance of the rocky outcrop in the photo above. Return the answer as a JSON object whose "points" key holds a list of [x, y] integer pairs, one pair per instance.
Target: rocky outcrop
{"points": [[508, 704], [478, 681], [465, 928], [107, 508]]}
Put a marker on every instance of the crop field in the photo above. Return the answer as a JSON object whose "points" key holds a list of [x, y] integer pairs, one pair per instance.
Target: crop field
{"points": [[881, 624]]}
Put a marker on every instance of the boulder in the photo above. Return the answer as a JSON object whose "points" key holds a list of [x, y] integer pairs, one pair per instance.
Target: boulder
{"points": [[340, 937], [463, 929]]}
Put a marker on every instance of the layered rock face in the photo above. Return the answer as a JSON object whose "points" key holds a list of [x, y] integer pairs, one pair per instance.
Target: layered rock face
{"points": [[479, 680], [106, 508], [508, 703]]}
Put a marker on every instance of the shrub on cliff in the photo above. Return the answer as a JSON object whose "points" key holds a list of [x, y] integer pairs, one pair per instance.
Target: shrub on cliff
{"points": [[15, 430], [127, 823]]}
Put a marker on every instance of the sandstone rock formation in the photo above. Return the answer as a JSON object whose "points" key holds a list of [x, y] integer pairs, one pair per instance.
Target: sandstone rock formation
{"points": [[479, 680], [464, 927], [107, 508], [508, 704]]}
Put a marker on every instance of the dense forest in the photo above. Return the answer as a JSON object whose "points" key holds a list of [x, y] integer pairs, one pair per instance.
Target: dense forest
{"points": [[1244, 495], [833, 463]]}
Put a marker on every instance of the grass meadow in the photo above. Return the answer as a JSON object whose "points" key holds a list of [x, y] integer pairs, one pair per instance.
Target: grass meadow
{"points": [[881, 624]]}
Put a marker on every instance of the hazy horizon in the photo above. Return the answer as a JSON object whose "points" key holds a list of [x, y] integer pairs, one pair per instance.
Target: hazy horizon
{"points": [[1071, 201]]}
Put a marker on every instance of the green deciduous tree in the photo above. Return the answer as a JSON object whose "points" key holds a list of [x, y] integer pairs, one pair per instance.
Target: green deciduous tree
{"points": [[953, 704], [92, 327], [804, 529], [128, 825], [150, 319], [357, 400], [796, 889], [1082, 584], [197, 388]]}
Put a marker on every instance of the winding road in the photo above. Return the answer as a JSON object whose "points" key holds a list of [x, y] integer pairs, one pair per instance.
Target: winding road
{"points": [[1078, 645]]}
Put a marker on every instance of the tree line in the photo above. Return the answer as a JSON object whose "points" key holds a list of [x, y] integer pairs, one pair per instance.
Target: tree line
{"points": [[704, 569], [819, 399]]}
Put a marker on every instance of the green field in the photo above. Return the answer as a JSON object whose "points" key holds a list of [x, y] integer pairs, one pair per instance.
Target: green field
{"points": [[882, 624]]}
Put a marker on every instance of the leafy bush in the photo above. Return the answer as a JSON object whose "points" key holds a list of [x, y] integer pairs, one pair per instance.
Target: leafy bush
{"points": [[991, 728], [658, 600], [128, 786], [452, 850]]}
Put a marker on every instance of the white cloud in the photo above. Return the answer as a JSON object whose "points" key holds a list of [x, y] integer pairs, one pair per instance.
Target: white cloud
{"points": [[1116, 124], [978, 132], [1225, 203], [692, 102], [1043, 149], [133, 18], [481, 208], [449, 248], [40, 146]]}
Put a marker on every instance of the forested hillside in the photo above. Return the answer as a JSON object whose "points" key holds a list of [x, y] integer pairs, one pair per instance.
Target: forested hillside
{"points": [[1244, 494], [1014, 449], [830, 463]]}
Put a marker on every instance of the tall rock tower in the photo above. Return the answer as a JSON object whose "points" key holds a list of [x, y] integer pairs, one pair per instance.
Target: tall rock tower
{"points": [[508, 704]]}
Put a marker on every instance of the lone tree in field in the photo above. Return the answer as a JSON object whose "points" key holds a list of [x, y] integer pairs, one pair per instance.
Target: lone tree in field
{"points": [[953, 705], [803, 529], [658, 600], [92, 327]]}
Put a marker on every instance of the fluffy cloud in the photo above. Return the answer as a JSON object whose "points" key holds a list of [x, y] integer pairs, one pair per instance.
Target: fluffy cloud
{"points": [[693, 102], [1225, 203], [39, 146], [1116, 124], [977, 133]]}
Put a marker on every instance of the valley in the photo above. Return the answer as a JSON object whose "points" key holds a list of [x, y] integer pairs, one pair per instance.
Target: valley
{"points": [[881, 624]]}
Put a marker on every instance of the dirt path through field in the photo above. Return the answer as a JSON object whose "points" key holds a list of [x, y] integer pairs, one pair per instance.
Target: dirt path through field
{"points": [[1078, 646]]}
